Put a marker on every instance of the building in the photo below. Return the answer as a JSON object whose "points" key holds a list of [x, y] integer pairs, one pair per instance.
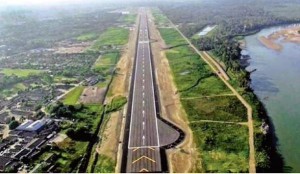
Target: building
{"points": [[32, 126], [4, 162], [24, 125]]}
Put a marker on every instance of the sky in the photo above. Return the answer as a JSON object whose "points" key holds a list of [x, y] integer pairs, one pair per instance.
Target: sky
{"points": [[39, 2]]}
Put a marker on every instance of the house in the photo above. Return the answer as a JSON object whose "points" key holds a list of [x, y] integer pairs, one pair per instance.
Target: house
{"points": [[4, 162]]}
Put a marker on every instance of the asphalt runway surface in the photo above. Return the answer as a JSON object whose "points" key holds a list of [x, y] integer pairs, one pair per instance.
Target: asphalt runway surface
{"points": [[144, 128]]}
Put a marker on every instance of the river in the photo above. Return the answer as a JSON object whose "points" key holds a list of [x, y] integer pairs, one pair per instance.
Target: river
{"points": [[277, 84]]}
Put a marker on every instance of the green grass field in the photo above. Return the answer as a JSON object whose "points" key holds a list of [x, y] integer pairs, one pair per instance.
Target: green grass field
{"points": [[87, 37], [20, 72], [111, 37], [225, 108], [104, 165], [192, 75], [159, 18], [129, 18], [71, 154], [207, 87], [72, 97], [223, 147], [107, 59]]}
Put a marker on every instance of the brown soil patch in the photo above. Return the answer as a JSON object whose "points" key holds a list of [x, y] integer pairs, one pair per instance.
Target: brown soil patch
{"points": [[110, 136], [269, 43], [66, 47], [290, 34], [92, 94], [183, 158]]}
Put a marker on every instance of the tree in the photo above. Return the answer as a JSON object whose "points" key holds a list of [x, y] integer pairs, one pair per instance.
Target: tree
{"points": [[13, 124]]}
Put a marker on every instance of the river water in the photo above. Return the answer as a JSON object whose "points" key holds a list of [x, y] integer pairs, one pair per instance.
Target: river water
{"points": [[277, 84]]}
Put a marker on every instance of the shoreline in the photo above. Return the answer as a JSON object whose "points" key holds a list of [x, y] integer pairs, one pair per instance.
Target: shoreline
{"points": [[270, 141]]}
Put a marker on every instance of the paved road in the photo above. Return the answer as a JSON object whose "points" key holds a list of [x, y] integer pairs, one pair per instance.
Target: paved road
{"points": [[143, 153]]}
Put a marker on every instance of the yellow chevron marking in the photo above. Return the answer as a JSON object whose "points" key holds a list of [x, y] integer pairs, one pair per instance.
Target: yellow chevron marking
{"points": [[144, 170], [143, 157], [151, 148], [135, 149]]}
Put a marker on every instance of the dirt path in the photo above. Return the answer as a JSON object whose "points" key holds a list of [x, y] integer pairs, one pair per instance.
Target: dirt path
{"points": [[183, 159], [216, 64], [252, 167], [110, 138], [222, 122], [208, 96]]}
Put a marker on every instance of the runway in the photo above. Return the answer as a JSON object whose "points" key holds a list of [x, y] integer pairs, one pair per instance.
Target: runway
{"points": [[146, 133]]}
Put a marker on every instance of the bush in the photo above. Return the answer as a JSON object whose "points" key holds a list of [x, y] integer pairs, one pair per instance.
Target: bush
{"points": [[79, 134], [13, 124]]}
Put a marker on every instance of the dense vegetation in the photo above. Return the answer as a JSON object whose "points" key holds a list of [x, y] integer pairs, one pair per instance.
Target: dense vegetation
{"points": [[233, 18]]}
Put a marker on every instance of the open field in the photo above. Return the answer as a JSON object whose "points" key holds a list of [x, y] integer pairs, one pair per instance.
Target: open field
{"points": [[128, 18], [20, 72], [72, 97], [107, 59], [87, 37], [225, 108], [193, 76], [224, 147], [159, 18], [111, 37], [92, 94]]}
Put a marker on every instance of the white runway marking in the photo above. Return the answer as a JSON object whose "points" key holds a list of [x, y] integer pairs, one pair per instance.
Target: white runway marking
{"points": [[143, 147], [143, 139]]}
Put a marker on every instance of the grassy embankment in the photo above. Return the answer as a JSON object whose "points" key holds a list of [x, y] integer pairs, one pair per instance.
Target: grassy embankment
{"points": [[223, 147]]}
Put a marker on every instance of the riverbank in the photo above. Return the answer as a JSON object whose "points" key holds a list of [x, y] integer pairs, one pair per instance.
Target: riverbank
{"points": [[278, 91], [275, 39]]}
